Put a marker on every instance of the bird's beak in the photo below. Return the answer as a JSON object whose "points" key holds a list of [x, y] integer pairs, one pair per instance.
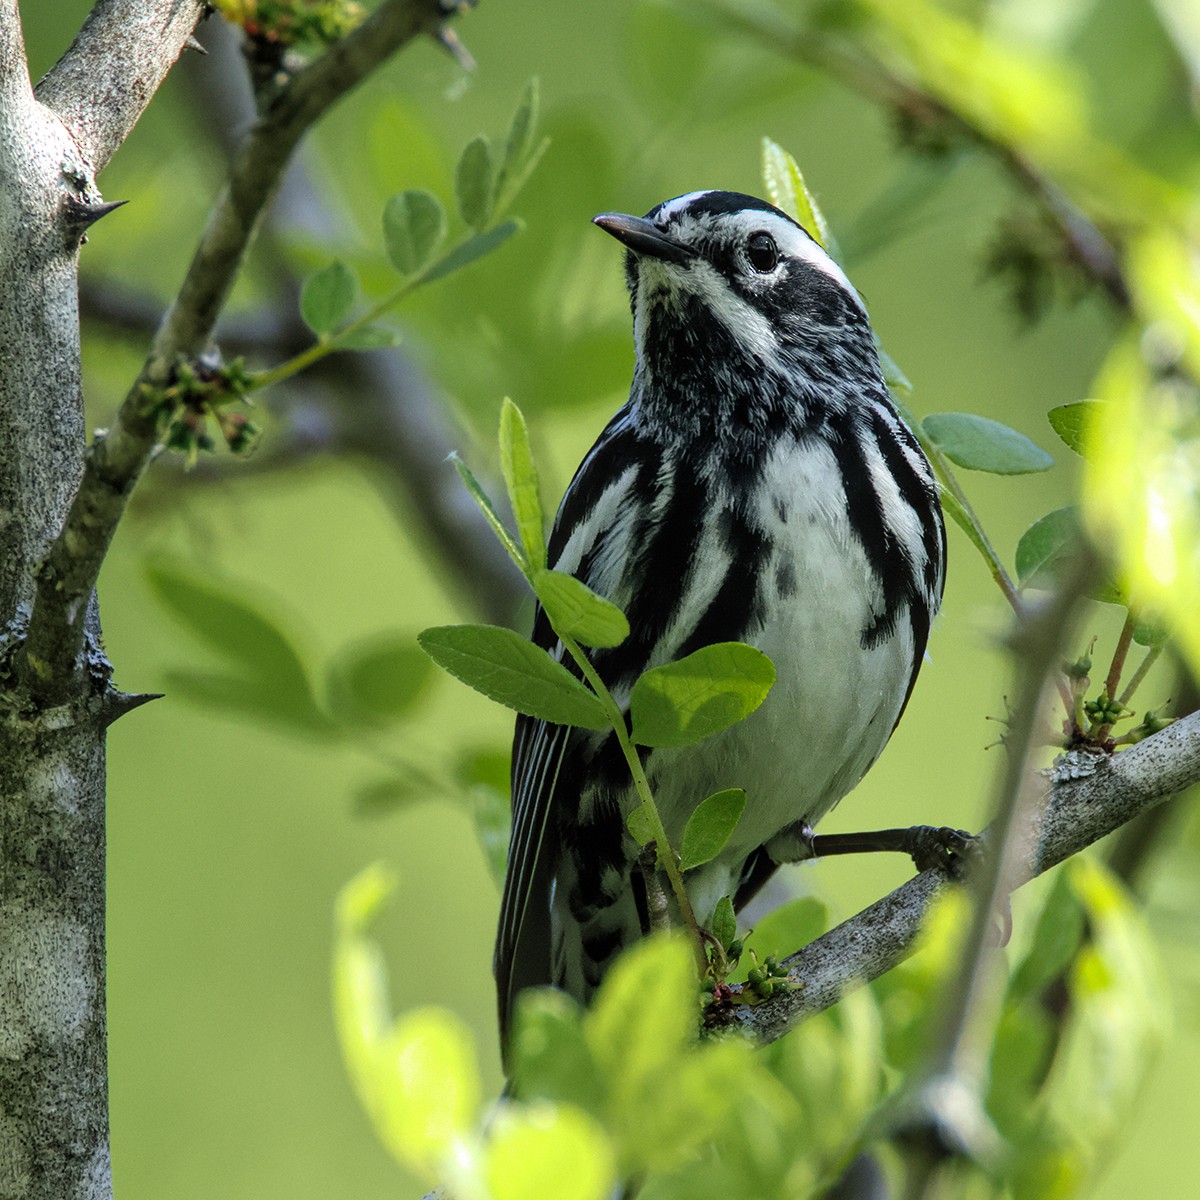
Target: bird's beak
{"points": [[643, 237]]}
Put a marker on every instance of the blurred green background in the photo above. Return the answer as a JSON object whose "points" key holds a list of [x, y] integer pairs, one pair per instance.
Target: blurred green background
{"points": [[228, 840]]}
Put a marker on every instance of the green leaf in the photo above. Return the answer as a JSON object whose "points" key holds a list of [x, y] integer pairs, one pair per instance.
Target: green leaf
{"points": [[369, 337], [1056, 937], [551, 1057], [577, 612], [327, 298], [981, 444], [955, 511], [547, 1150], [475, 182], [493, 826], [1048, 546], [724, 923], [378, 680], [382, 797], [491, 515], [514, 672], [1070, 421], [417, 1077], [710, 826], [787, 190], [271, 679], [414, 224], [641, 825], [1149, 630], [474, 247], [521, 479], [687, 701], [521, 132]]}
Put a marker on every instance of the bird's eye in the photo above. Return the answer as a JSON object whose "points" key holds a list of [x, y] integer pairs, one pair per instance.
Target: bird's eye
{"points": [[762, 252]]}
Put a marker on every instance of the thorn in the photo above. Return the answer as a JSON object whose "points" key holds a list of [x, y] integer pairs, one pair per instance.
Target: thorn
{"points": [[192, 44], [117, 704], [453, 43], [84, 216]]}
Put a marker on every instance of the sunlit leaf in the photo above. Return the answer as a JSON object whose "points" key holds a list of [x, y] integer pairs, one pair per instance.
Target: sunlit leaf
{"points": [[787, 190], [981, 444], [1142, 488], [417, 1077], [710, 826], [578, 612], [543, 1150], [327, 298], [414, 224], [709, 690], [521, 479], [1071, 422], [551, 1059], [511, 670]]}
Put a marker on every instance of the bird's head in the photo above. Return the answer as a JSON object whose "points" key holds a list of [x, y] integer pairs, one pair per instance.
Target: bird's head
{"points": [[725, 285]]}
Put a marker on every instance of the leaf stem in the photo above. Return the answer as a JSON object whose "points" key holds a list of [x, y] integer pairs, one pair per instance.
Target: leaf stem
{"points": [[1140, 674], [1113, 681], [666, 855]]}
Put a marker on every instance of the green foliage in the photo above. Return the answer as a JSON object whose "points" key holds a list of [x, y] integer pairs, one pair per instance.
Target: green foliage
{"points": [[511, 670], [521, 480], [378, 681], [981, 444], [577, 611], [712, 688], [710, 826], [475, 182], [414, 225], [1071, 422], [328, 297]]}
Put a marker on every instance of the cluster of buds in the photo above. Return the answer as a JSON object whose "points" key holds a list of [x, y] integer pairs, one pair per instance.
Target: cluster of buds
{"points": [[200, 390], [290, 22], [768, 977]]}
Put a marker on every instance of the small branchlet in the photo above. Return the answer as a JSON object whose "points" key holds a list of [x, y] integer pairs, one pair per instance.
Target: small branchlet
{"points": [[198, 390]]}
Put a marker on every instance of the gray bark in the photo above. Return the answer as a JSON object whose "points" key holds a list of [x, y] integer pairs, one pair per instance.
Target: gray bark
{"points": [[53, 1077]]}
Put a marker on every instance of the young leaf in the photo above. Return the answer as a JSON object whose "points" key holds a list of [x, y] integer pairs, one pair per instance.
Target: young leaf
{"points": [[514, 672], [981, 444], [710, 826], [787, 190], [475, 182], [473, 248], [491, 515], [414, 224], [686, 701], [1048, 545], [1070, 421], [724, 923], [640, 824], [327, 298], [521, 479], [547, 1150], [521, 131], [577, 612]]}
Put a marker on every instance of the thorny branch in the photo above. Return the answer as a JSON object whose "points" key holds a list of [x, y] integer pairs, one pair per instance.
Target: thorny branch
{"points": [[116, 459]]}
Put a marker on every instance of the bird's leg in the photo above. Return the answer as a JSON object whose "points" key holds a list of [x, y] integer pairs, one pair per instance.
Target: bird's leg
{"points": [[929, 846]]}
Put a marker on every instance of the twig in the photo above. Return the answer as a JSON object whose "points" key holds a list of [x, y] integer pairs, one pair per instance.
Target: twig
{"points": [[115, 64], [1086, 798], [115, 461]]}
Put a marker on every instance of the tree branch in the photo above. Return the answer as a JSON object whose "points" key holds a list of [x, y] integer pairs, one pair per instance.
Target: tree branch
{"points": [[1085, 799], [100, 87], [115, 460]]}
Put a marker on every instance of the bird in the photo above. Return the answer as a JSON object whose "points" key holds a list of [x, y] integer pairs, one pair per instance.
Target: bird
{"points": [[758, 486]]}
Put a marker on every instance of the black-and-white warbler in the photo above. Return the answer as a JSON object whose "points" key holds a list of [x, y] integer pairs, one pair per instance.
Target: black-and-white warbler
{"points": [[759, 486]]}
